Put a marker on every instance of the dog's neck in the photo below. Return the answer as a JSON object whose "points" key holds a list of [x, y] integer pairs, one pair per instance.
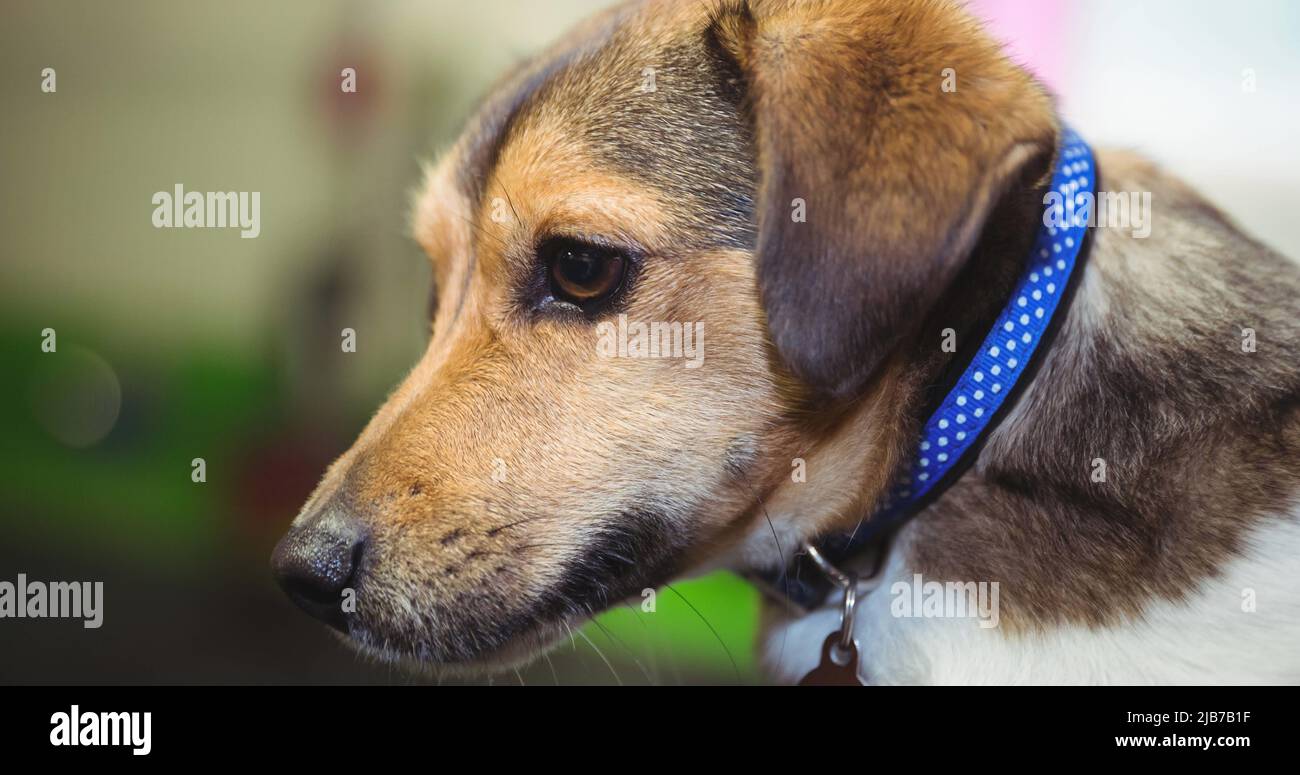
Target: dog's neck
{"points": [[1121, 387], [859, 449]]}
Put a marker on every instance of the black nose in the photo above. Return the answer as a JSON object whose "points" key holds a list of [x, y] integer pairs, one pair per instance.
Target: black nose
{"points": [[317, 561]]}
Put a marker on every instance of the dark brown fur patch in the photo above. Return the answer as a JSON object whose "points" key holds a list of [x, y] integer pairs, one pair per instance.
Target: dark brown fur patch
{"points": [[1200, 439]]}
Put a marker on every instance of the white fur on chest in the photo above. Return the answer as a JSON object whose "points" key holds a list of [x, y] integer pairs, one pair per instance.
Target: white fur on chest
{"points": [[1210, 637]]}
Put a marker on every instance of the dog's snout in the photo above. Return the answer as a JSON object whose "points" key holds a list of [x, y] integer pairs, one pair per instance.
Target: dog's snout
{"points": [[317, 560]]}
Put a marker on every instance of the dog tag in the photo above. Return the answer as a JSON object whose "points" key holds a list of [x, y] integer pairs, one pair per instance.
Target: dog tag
{"points": [[832, 673]]}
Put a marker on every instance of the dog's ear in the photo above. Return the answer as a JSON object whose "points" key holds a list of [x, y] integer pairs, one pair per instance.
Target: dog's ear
{"points": [[885, 134]]}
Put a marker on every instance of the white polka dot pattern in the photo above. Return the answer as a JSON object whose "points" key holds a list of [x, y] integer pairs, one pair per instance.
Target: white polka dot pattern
{"points": [[1007, 351]]}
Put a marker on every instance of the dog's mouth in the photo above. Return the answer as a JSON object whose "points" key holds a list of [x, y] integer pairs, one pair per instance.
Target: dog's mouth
{"points": [[474, 644], [425, 655], [481, 627]]}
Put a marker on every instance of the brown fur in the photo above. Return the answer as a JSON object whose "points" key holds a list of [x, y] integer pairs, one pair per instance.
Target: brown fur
{"points": [[821, 337], [1201, 439]]}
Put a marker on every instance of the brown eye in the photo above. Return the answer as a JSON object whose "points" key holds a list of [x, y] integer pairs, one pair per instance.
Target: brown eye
{"points": [[582, 274]]}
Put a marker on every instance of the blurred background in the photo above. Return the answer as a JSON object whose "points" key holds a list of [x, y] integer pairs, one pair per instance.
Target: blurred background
{"points": [[193, 343]]}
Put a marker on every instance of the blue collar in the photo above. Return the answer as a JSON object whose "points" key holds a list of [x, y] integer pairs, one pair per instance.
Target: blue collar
{"points": [[953, 433]]}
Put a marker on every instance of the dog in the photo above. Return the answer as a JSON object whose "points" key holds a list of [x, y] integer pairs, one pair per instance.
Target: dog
{"points": [[797, 177]]}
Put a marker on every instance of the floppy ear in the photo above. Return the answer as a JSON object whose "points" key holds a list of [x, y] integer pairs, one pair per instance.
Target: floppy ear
{"points": [[885, 135]]}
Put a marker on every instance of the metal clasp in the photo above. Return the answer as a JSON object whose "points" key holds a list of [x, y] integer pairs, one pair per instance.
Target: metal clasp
{"points": [[848, 585]]}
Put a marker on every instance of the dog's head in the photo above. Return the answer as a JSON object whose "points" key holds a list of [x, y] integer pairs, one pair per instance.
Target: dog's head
{"points": [[672, 255]]}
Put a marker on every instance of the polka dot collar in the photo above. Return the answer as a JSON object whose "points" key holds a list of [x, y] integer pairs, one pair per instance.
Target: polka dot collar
{"points": [[968, 410], [952, 434]]}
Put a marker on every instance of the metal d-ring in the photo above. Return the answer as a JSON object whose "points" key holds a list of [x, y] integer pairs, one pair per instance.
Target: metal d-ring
{"points": [[848, 584], [846, 616], [838, 577]]}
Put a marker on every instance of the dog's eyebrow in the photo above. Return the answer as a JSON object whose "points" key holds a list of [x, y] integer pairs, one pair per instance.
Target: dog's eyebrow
{"points": [[496, 120], [515, 93], [510, 101], [689, 139]]}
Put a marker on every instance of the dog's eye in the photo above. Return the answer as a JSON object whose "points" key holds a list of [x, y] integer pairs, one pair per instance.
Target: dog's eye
{"points": [[582, 274]]}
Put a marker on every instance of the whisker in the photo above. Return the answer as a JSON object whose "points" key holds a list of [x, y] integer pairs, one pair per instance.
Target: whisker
{"points": [[543, 545], [482, 232], [572, 641], [650, 641], [601, 654], [554, 675], [721, 642], [619, 642], [511, 203], [518, 522], [785, 580]]}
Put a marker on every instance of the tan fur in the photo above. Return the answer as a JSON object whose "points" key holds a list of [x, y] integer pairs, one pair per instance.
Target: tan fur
{"points": [[820, 357]]}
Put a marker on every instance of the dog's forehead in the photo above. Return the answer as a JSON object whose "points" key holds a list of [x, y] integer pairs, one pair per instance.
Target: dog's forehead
{"points": [[642, 93]]}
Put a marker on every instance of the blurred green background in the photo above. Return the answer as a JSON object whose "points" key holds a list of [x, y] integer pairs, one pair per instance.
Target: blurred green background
{"points": [[188, 343]]}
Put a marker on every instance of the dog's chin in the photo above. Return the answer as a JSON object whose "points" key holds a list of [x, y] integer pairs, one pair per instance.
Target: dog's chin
{"points": [[421, 658]]}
